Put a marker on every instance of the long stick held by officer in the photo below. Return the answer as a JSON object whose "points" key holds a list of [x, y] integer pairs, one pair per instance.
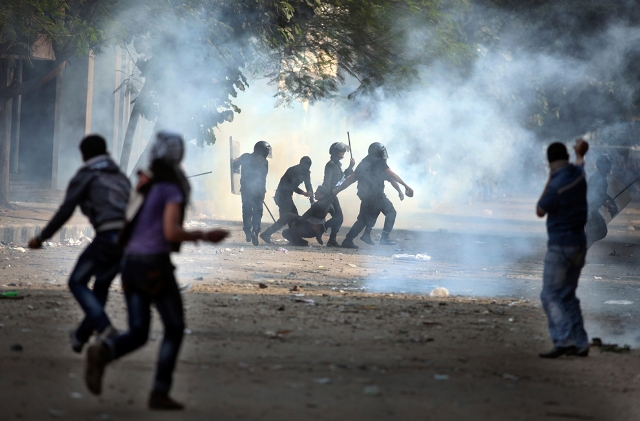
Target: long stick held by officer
{"points": [[333, 175]]}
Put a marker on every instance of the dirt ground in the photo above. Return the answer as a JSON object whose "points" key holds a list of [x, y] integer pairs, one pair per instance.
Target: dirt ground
{"points": [[370, 345]]}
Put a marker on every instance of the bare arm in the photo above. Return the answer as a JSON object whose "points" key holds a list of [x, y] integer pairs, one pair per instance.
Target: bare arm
{"points": [[174, 233], [395, 177], [396, 186]]}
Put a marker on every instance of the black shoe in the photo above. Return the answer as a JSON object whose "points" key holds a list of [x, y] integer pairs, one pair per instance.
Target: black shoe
{"points": [[348, 244], [247, 236], [76, 345], [162, 401], [332, 243], [367, 239], [559, 351], [387, 242], [254, 239], [98, 356], [266, 238], [582, 352]]}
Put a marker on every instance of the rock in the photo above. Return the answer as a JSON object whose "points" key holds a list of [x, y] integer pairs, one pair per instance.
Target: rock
{"points": [[263, 286], [16, 347], [372, 391], [439, 292]]}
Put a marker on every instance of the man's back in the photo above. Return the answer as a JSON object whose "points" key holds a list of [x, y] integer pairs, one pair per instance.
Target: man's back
{"points": [[565, 202], [371, 174], [254, 173]]}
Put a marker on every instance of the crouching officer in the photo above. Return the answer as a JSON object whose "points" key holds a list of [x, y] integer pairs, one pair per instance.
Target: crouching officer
{"points": [[253, 186]]}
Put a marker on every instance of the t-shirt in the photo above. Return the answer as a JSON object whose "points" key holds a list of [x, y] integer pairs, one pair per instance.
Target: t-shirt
{"points": [[565, 203], [147, 234], [371, 173]]}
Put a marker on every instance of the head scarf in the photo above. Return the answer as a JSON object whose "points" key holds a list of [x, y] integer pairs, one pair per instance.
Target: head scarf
{"points": [[169, 147]]}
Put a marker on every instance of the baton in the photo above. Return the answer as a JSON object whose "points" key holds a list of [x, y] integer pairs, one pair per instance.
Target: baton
{"points": [[623, 190], [265, 205], [350, 150], [198, 175]]}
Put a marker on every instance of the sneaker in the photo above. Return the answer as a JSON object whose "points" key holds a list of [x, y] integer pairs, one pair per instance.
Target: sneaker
{"points": [[367, 239], [559, 351], [76, 344], [98, 356], [254, 239], [162, 401], [266, 238], [348, 244], [332, 243]]}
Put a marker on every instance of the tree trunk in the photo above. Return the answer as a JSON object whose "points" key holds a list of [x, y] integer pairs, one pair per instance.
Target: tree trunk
{"points": [[5, 138], [128, 137], [127, 142], [141, 159]]}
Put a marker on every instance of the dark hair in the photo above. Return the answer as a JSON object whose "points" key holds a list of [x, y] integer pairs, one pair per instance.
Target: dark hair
{"points": [[323, 190], [93, 145], [557, 152], [163, 171]]}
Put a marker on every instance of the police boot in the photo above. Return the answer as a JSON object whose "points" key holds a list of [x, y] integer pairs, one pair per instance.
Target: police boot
{"points": [[348, 244], [385, 241], [366, 237], [254, 237], [332, 241], [247, 235]]}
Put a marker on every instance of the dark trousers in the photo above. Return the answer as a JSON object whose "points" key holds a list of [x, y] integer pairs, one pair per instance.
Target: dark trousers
{"points": [[337, 218], [370, 208], [251, 211], [285, 204], [102, 260], [150, 280]]}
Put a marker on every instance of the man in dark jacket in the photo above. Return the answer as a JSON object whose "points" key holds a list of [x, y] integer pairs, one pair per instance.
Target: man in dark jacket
{"points": [[310, 225], [102, 192], [564, 201], [597, 197], [333, 175], [289, 183], [253, 187], [371, 174]]}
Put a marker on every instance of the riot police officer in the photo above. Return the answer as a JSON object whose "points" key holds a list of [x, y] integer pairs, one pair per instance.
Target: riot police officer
{"points": [[253, 186], [596, 228], [333, 175], [371, 174]]}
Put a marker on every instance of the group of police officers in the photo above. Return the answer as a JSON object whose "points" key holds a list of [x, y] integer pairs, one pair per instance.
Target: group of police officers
{"points": [[370, 176]]}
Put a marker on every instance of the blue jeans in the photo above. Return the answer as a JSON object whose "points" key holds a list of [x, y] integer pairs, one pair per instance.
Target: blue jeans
{"points": [[102, 259], [149, 279], [562, 266]]}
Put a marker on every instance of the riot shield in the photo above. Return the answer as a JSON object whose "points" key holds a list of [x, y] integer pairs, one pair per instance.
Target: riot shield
{"points": [[234, 152]]}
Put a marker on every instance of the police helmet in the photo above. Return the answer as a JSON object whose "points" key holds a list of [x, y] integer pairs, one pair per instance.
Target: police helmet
{"points": [[305, 161], [604, 163], [263, 148], [377, 150], [338, 147]]}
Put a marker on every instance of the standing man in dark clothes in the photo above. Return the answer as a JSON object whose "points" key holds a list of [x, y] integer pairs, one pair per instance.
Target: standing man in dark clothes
{"points": [[289, 183], [333, 175], [311, 224], [371, 174], [253, 187], [564, 201], [597, 197], [102, 192]]}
